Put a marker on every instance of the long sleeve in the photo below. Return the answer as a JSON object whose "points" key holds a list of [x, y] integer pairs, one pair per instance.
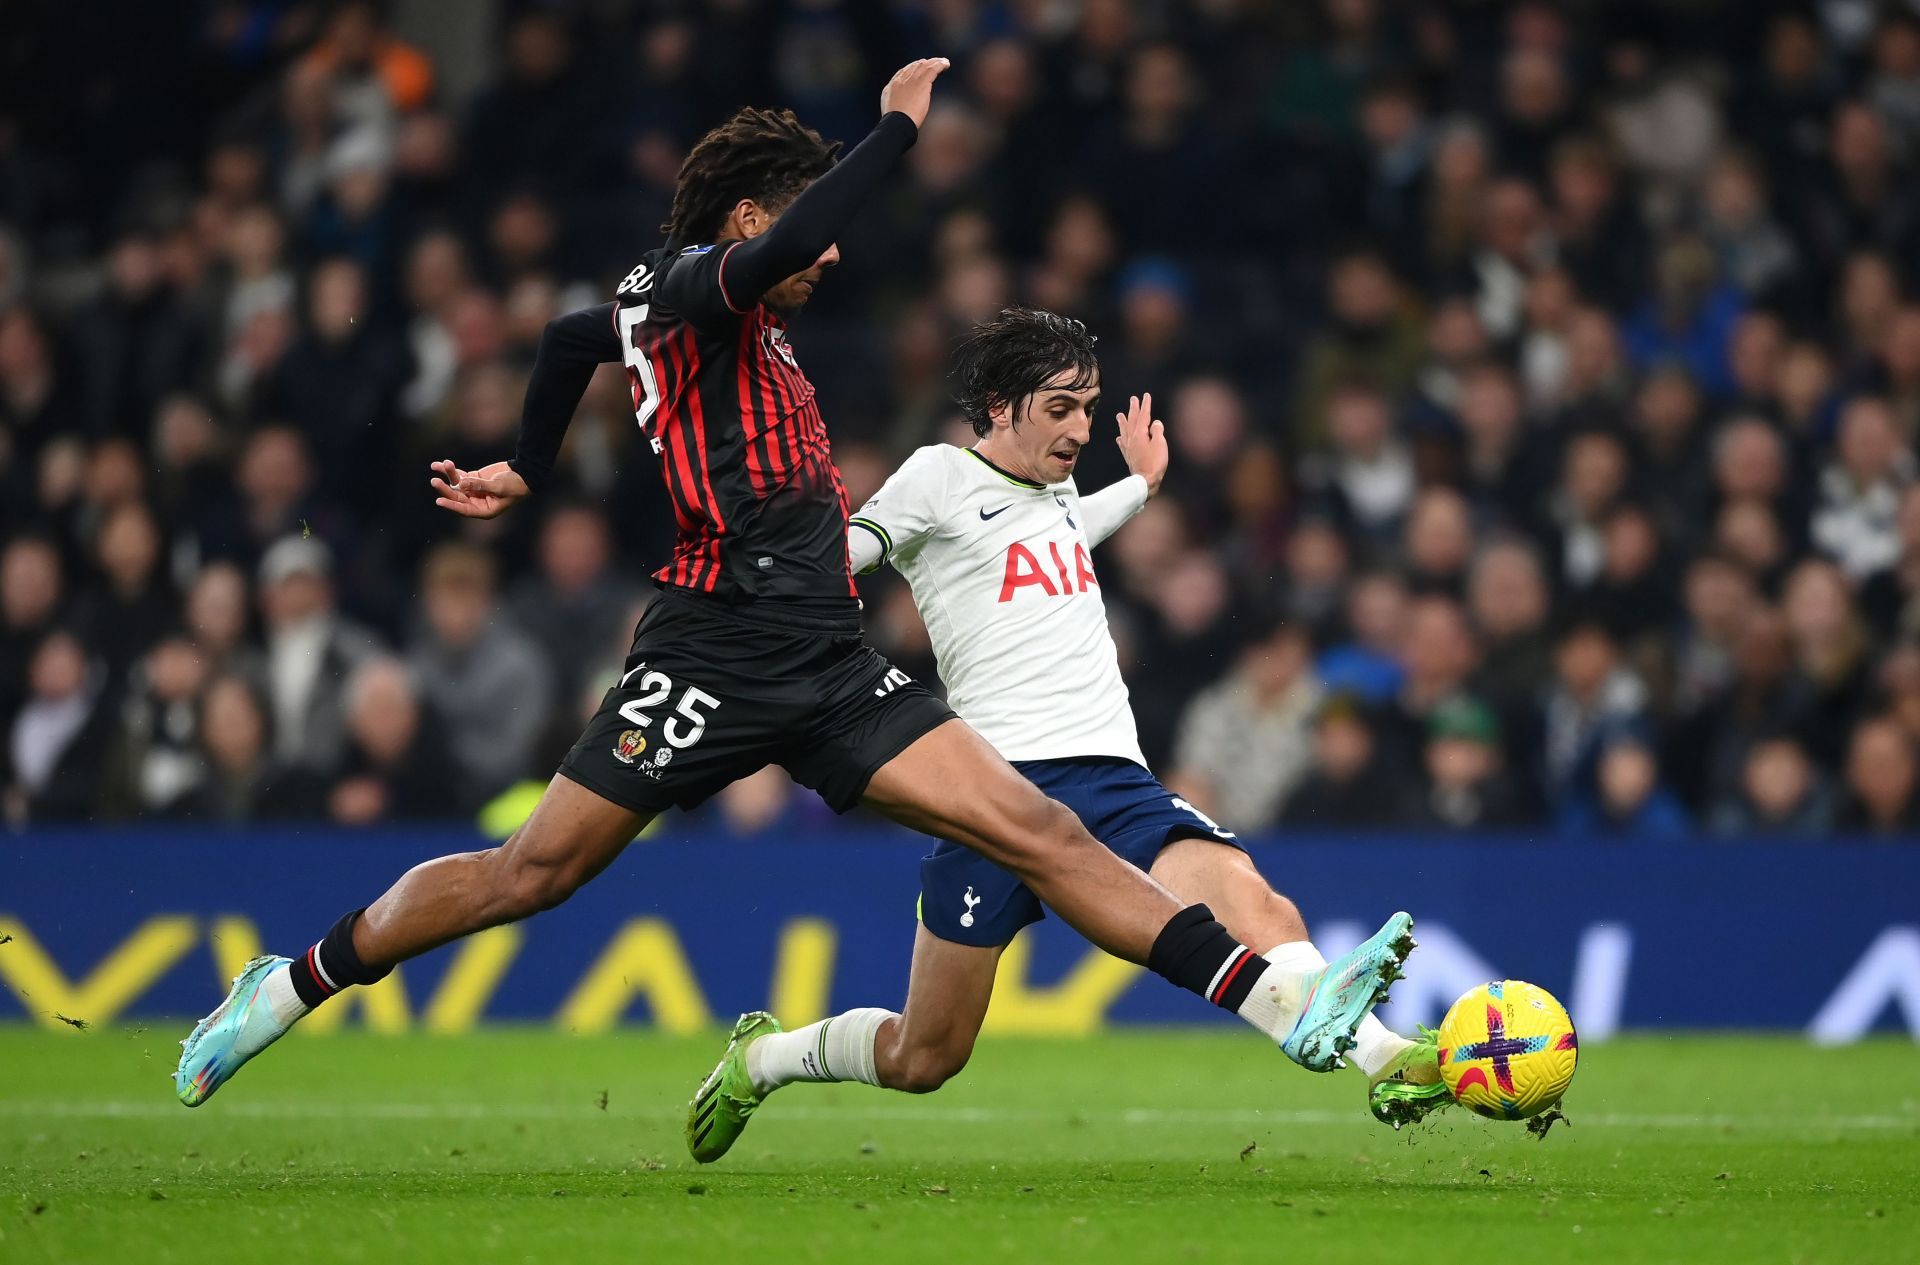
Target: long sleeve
{"points": [[1107, 510], [864, 548], [712, 284], [571, 348]]}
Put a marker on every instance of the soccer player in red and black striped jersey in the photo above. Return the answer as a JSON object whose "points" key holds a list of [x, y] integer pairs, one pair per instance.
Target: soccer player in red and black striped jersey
{"points": [[752, 653]]}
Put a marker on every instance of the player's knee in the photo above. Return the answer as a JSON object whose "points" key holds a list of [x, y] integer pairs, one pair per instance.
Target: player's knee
{"points": [[1047, 832], [927, 1068], [1284, 917]]}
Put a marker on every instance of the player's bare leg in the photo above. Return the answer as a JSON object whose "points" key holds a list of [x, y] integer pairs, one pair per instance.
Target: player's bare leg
{"points": [[572, 835], [931, 1039]]}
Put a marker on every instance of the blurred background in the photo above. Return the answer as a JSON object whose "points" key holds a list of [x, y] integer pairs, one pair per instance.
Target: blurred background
{"points": [[1543, 381]]}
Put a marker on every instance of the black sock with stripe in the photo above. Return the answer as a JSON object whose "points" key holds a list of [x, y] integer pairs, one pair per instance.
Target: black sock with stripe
{"points": [[333, 964], [1196, 953]]}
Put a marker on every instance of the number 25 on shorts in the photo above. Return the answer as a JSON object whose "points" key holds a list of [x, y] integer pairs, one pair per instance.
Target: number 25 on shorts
{"points": [[691, 710]]}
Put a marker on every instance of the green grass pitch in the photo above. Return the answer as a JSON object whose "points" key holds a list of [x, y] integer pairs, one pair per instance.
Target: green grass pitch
{"points": [[1148, 1146]]}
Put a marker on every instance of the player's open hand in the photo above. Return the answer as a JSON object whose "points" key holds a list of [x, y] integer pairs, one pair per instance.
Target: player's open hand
{"points": [[481, 493], [1143, 441], [910, 91]]}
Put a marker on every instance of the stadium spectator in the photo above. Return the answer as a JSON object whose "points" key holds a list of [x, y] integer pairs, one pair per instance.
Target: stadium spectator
{"points": [[57, 736], [1508, 600], [1439, 543], [32, 590], [123, 616], [486, 681], [397, 764], [1437, 654], [1466, 783], [1369, 664], [340, 383], [1367, 472], [1854, 521], [1882, 780], [152, 759], [1628, 798], [1780, 792], [217, 618], [310, 650], [575, 605], [1830, 681], [1593, 696], [1370, 338], [1245, 743], [239, 781], [1347, 787]]}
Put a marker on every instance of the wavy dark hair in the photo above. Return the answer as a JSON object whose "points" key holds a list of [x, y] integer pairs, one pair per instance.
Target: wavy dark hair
{"points": [[1005, 360], [766, 155]]}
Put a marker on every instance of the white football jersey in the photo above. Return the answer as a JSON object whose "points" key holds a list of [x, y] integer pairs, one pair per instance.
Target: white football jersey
{"points": [[1002, 571]]}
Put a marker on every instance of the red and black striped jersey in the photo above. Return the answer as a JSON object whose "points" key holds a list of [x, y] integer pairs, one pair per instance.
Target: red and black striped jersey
{"points": [[761, 510], [721, 398]]}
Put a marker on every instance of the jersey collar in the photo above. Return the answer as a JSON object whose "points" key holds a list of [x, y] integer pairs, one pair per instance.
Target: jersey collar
{"points": [[1014, 479]]}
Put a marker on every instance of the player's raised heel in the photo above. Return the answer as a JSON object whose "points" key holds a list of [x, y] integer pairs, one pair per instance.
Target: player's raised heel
{"points": [[220, 1045], [725, 1101], [1345, 993]]}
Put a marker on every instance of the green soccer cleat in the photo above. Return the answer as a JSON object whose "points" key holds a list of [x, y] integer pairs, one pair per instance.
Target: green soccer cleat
{"points": [[1409, 1089], [220, 1044], [1345, 993], [719, 1112]]}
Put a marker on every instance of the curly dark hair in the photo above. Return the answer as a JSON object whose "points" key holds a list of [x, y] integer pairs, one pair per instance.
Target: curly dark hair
{"points": [[766, 155], [1005, 360]]}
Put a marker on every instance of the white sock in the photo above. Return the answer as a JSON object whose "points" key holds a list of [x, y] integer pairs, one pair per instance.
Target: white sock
{"points": [[284, 1004], [1274, 1004], [1375, 1044], [835, 1049]]}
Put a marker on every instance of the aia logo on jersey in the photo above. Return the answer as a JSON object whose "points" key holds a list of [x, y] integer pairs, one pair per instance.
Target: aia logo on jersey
{"points": [[1026, 570], [777, 343]]}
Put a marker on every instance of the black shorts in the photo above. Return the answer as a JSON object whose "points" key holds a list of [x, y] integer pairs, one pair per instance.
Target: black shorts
{"points": [[707, 699]]}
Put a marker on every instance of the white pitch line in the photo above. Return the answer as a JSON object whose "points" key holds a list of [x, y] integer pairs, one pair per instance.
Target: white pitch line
{"points": [[141, 1109]]}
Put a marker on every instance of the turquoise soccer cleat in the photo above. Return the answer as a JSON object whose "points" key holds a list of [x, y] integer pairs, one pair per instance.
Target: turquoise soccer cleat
{"points": [[221, 1044], [1345, 993], [718, 1114], [1409, 1089]]}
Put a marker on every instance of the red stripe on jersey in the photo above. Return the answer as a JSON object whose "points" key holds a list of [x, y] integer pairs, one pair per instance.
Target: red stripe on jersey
{"points": [[681, 490], [770, 400], [693, 566], [712, 502], [752, 424], [779, 382]]}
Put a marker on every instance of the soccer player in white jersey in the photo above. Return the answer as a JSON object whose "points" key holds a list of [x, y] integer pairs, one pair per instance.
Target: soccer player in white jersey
{"points": [[996, 542]]}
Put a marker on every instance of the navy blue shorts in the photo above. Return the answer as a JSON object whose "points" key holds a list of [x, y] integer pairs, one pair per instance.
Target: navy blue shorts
{"points": [[967, 899]]}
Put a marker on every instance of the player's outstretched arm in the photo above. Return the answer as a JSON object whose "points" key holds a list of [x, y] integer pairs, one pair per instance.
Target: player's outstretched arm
{"points": [[571, 348], [805, 229], [1143, 442]]}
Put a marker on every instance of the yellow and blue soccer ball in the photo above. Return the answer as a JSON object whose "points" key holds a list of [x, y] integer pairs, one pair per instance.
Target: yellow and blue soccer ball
{"points": [[1507, 1050]]}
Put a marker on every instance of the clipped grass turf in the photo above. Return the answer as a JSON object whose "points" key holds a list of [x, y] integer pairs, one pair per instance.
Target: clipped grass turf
{"points": [[1135, 1146]]}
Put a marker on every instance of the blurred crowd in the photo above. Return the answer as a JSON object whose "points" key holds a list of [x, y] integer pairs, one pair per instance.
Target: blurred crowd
{"points": [[1543, 381]]}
